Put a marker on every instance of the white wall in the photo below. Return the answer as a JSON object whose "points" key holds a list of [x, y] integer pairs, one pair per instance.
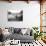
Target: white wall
{"points": [[31, 14]]}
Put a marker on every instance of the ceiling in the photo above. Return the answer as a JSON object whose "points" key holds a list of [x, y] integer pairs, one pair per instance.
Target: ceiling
{"points": [[24, 0], [20, 0]]}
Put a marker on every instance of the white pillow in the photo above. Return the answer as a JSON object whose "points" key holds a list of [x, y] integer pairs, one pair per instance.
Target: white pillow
{"points": [[23, 31], [5, 32]]}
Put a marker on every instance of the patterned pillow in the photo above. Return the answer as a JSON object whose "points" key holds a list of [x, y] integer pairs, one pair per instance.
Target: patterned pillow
{"points": [[11, 30], [17, 30]]}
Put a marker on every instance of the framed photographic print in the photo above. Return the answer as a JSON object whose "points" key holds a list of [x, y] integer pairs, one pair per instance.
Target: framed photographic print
{"points": [[15, 15]]}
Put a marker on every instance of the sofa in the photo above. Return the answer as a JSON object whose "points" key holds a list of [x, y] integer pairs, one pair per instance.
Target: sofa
{"points": [[22, 34]]}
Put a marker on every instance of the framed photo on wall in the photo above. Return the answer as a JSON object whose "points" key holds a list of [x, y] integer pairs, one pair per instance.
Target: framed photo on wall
{"points": [[15, 15]]}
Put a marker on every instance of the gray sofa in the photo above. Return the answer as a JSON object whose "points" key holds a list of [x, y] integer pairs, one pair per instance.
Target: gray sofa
{"points": [[17, 35]]}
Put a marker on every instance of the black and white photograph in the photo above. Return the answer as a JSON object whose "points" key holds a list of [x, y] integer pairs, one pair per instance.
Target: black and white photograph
{"points": [[14, 15]]}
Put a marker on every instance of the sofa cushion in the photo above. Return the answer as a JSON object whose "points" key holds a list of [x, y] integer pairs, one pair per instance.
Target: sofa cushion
{"points": [[22, 38]]}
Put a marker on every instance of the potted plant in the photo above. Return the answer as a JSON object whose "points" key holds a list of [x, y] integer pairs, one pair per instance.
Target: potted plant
{"points": [[36, 32]]}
